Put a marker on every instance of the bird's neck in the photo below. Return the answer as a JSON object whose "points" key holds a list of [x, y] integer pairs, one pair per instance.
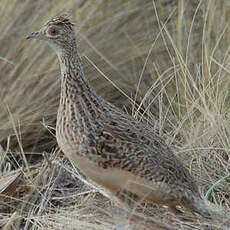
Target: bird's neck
{"points": [[78, 100], [72, 75]]}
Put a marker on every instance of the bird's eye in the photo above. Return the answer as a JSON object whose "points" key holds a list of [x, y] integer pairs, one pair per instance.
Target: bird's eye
{"points": [[53, 31]]}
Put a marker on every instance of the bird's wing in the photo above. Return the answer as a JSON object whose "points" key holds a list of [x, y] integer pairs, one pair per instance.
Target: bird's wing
{"points": [[132, 146]]}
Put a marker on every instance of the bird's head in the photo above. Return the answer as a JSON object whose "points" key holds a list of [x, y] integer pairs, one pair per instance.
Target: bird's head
{"points": [[58, 33]]}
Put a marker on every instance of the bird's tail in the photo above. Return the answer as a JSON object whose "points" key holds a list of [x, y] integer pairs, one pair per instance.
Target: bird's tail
{"points": [[196, 204]]}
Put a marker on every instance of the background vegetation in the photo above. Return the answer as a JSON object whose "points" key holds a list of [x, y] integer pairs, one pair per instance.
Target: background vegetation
{"points": [[166, 62]]}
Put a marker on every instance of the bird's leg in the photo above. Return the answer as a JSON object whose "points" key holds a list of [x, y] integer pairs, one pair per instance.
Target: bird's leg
{"points": [[127, 198], [178, 214], [175, 211]]}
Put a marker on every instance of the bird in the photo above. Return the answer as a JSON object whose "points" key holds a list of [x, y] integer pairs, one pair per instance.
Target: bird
{"points": [[124, 156]]}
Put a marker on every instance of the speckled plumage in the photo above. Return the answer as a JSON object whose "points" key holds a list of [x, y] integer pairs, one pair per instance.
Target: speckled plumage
{"points": [[111, 147]]}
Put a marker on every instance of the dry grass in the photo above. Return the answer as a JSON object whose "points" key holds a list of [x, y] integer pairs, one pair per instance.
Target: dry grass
{"points": [[170, 60]]}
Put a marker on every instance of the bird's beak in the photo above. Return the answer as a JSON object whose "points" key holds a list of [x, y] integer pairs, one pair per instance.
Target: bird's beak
{"points": [[33, 35]]}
